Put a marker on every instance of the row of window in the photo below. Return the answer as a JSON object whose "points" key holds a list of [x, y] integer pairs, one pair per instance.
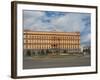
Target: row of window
{"points": [[48, 41], [51, 43], [50, 37], [49, 46]]}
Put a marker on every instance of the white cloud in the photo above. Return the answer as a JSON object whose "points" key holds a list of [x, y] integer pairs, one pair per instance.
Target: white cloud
{"points": [[31, 17], [70, 22], [85, 39]]}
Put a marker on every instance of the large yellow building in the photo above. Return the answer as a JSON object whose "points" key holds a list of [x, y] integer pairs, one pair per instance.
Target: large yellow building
{"points": [[54, 42]]}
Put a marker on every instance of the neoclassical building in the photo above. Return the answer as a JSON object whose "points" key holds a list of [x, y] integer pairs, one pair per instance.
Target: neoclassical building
{"points": [[51, 42]]}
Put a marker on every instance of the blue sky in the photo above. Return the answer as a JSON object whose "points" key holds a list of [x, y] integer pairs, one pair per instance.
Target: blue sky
{"points": [[59, 21]]}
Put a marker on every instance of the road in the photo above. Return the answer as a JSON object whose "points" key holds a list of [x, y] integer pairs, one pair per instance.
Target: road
{"points": [[69, 61]]}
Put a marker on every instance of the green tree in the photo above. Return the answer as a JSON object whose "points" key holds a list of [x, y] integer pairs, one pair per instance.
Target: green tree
{"points": [[65, 51], [39, 53], [33, 53], [47, 52], [42, 52], [28, 53]]}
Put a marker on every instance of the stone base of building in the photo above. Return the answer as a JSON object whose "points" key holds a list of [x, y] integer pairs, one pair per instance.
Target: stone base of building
{"points": [[37, 52]]}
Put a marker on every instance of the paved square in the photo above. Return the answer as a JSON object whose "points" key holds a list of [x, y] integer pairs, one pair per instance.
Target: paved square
{"points": [[50, 62]]}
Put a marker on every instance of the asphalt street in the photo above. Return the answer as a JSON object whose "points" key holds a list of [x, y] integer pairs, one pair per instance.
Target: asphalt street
{"points": [[68, 61]]}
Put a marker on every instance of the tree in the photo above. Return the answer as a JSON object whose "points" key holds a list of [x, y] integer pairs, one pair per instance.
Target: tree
{"points": [[42, 52], [47, 52], [33, 53], [28, 53], [39, 53], [65, 51]]}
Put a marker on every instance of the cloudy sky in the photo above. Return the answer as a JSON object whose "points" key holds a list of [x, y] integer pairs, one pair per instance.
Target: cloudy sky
{"points": [[59, 21]]}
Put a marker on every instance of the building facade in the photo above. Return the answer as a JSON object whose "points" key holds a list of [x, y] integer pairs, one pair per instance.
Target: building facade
{"points": [[51, 42]]}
